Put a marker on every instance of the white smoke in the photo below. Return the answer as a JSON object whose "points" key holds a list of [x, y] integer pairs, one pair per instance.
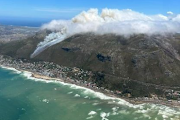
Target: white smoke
{"points": [[177, 18], [120, 22]]}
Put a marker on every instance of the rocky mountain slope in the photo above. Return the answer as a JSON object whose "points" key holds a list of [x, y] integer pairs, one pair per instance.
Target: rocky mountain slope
{"points": [[139, 64], [22, 48]]}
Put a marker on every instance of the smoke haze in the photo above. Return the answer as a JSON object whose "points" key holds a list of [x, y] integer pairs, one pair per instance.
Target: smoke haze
{"points": [[120, 22]]}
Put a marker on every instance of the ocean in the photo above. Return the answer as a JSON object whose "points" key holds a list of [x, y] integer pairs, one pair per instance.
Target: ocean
{"points": [[26, 98], [23, 22]]}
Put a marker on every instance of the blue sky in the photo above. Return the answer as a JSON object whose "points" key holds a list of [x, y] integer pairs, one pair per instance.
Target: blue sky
{"points": [[66, 9]]}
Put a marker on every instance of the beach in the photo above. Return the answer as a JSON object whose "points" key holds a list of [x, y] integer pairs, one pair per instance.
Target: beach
{"points": [[110, 95], [40, 74], [25, 97], [172, 103]]}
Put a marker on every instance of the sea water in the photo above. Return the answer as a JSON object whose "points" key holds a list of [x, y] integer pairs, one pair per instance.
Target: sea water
{"points": [[25, 98]]}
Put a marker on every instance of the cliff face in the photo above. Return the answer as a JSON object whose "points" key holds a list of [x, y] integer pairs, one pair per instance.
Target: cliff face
{"points": [[135, 64]]}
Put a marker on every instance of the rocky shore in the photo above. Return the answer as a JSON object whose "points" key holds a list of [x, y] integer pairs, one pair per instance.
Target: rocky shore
{"points": [[77, 76]]}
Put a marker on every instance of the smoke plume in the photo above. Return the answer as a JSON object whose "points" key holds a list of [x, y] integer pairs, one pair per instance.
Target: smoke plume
{"points": [[120, 22]]}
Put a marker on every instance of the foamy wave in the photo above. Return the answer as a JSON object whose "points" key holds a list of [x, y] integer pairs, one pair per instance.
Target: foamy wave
{"points": [[77, 95], [104, 115], [89, 117], [164, 111], [92, 113], [28, 75], [70, 92], [146, 109], [45, 100], [12, 69]]}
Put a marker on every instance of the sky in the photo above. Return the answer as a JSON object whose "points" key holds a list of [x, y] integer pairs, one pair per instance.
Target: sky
{"points": [[46, 10]]}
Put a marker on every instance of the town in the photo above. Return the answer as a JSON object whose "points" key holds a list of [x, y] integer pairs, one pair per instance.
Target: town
{"points": [[82, 78]]}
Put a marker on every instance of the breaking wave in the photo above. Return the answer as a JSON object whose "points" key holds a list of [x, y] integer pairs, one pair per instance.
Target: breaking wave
{"points": [[165, 112]]}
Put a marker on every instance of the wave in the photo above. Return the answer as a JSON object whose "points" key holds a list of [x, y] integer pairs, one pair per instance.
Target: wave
{"points": [[10, 68], [146, 108]]}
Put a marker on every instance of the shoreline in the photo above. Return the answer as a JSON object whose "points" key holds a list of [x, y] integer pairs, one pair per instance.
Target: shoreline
{"points": [[130, 101]]}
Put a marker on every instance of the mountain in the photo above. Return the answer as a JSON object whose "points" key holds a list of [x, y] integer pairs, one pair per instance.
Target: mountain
{"points": [[139, 64], [23, 48]]}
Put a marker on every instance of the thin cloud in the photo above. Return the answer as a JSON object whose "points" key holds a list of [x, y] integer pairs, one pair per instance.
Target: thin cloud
{"points": [[170, 13]]}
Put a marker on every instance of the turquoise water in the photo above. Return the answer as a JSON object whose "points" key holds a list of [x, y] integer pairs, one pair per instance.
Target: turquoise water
{"points": [[22, 98]]}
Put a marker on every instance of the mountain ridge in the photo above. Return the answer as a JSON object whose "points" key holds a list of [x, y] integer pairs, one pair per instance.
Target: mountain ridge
{"points": [[130, 64]]}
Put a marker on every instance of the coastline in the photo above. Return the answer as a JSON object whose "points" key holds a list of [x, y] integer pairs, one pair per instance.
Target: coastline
{"points": [[112, 96], [105, 95]]}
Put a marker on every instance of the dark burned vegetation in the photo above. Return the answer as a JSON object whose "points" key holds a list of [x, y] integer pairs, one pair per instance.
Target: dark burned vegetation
{"points": [[137, 66], [103, 58]]}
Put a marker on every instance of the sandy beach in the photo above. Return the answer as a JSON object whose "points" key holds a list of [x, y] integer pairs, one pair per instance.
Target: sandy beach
{"points": [[130, 100], [136, 101]]}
